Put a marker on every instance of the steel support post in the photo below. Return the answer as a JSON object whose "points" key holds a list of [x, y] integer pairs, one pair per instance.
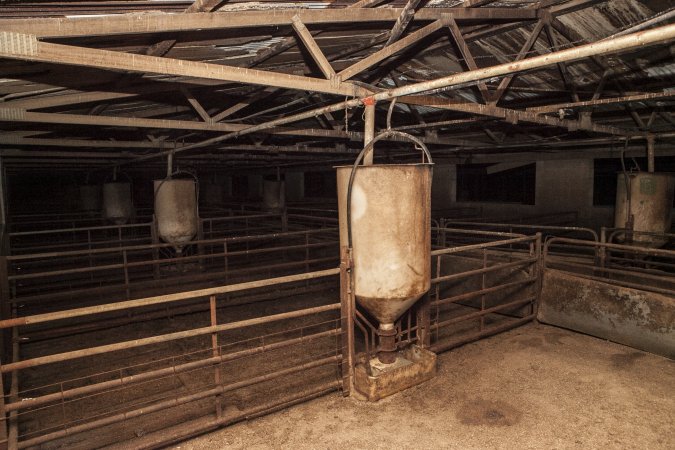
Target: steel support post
{"points": [[347, 320]]}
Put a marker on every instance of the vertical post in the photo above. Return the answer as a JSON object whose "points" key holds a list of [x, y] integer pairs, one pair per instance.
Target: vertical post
{"points": [[650, 153], [538, 270], [306, 251], [284, 220], [437, 293], [216, 352], [482, 287], [368, 128], [5, 308], [155, 250], [423, 321], [200, 246], [3, 416], [347, 321], [603, 249], [3, 195], [126, 273], [226, 263]]}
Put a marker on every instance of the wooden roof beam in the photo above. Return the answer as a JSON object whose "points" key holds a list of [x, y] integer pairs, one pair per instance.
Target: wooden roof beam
{"points": [[26, 47], [313, 48], [143, 23]]}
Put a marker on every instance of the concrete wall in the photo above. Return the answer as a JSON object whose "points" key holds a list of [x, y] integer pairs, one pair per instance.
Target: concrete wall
{"points": [[561, 186], [295, 186], [639, 319], [255, 186]]}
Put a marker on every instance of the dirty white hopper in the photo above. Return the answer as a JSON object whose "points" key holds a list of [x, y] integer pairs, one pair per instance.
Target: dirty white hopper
{"points": [[274, 195], [176, 210], [651, 205], [117, 205], [391, 236]]}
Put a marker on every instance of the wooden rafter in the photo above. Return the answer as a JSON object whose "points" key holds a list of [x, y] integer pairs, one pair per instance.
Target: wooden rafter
{"points": [[313, 48], [467, 55], [138, 23], [27, 47], [386, 52], [527, 46]]}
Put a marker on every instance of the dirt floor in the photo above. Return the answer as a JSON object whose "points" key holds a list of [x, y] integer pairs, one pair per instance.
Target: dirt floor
{"points": [[533, 387]]}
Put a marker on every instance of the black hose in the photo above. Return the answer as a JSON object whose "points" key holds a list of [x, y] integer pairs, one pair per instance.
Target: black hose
{"points": [[367, 148]]}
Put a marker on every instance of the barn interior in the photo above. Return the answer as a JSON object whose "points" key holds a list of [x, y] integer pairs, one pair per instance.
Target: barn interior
{"points": [[372, 223]]}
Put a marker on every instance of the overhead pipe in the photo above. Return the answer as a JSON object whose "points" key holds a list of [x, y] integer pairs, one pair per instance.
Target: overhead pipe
{"points": [[612, 45]]}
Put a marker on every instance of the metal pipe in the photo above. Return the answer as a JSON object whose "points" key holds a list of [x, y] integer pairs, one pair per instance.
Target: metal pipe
{"points": [[258, 237], [160, 373], [472, 294], [161, 299], [165, 404], [445, 251], [439, 347], [526, 227], [163, 313], [368, 131], [166, 437], [650, 153], [483, 312], [183, 259], [91, 351], [164, 282], [481, 271]]}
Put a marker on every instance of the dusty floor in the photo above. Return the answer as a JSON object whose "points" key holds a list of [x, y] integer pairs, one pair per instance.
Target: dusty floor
{"points": [[533, 387]]}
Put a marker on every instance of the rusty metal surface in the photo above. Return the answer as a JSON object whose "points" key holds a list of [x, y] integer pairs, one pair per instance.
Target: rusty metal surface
{"points": [[391, 213], [117, 206], [414, 367], [639, 319], [651, 201], [176, 210]]}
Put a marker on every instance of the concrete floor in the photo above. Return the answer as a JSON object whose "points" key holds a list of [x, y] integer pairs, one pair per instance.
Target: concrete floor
{"points": [[533, 387]]}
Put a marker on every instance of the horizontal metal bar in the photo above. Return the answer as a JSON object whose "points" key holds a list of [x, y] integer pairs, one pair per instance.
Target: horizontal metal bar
{"points": [[625, 248], [151, 262], [160, 373], [489, 269], [91, 351], [472, 294], [165, 404], [166, 437], [161, 299], [51, 296], [443, 346], [228, 240], [79, 230], [527, 227], [483, 312], [478, 232], [463, 248]]}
